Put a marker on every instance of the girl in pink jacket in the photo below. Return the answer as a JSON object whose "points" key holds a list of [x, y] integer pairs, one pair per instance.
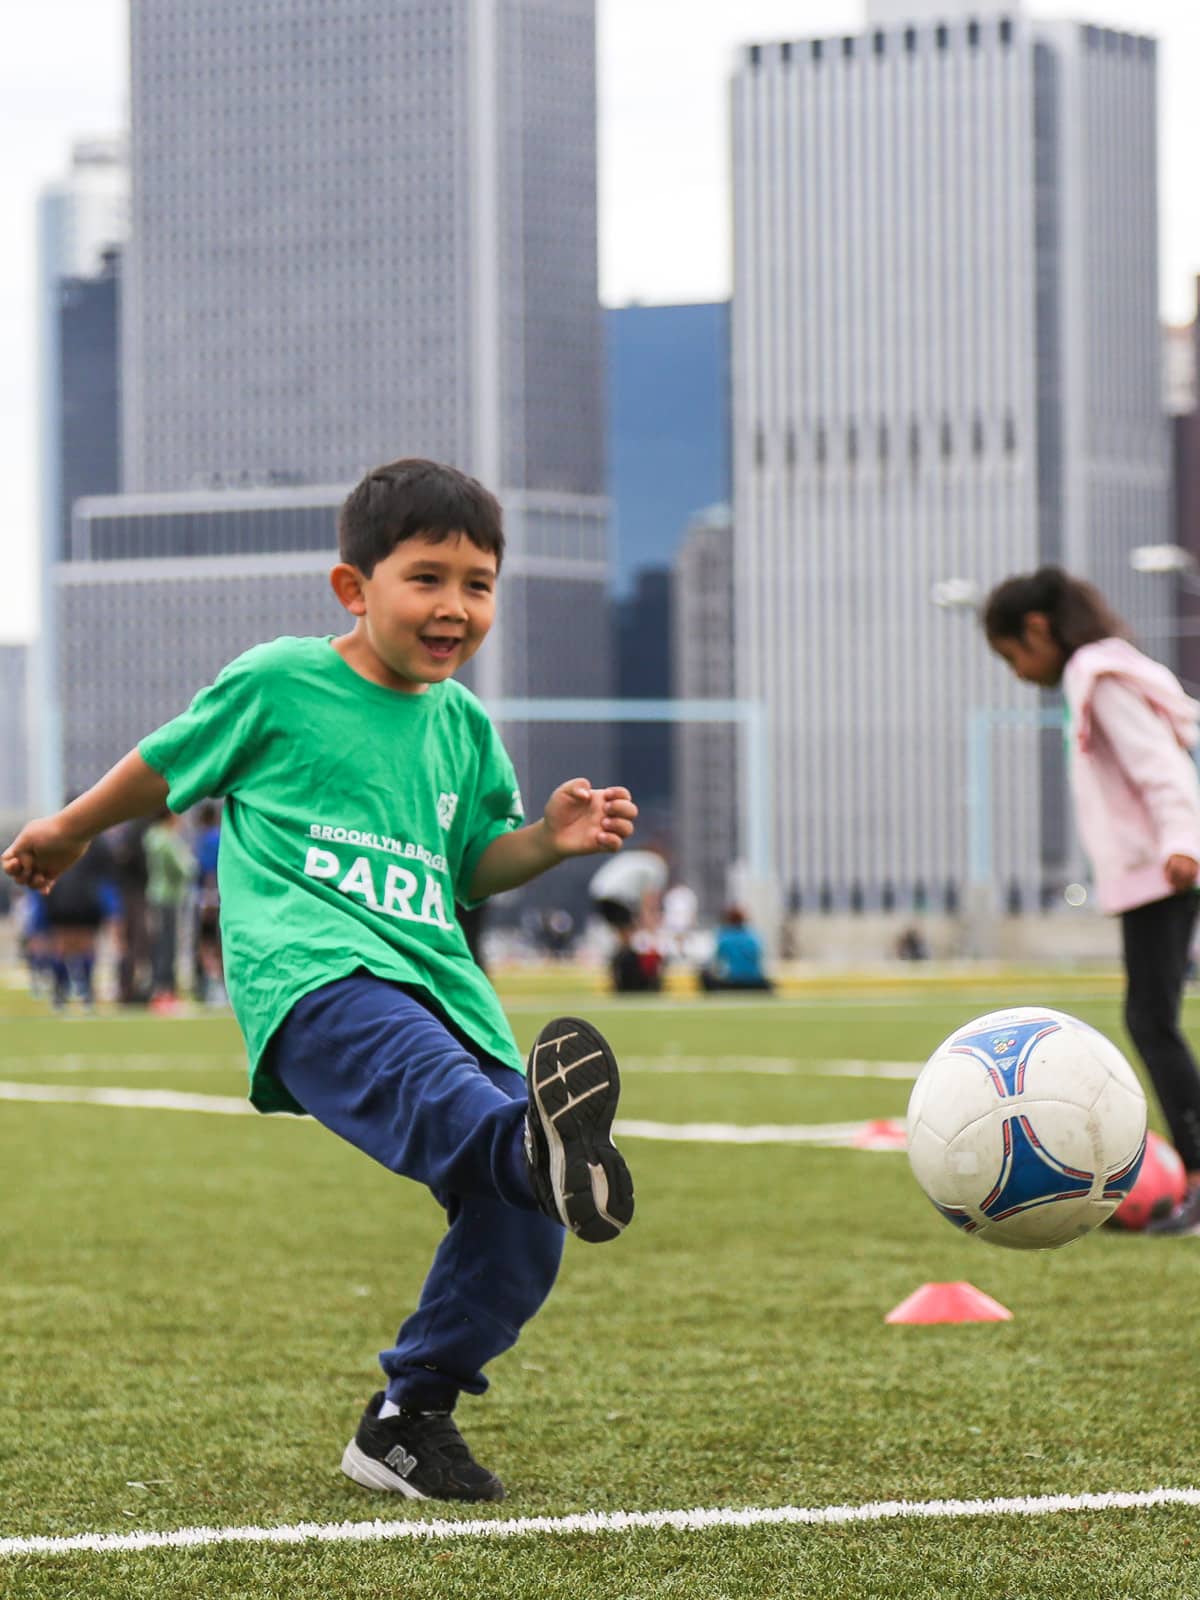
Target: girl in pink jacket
{"points": [[1137, 805]]}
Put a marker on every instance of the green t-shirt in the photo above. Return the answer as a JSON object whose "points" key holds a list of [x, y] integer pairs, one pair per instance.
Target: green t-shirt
{"points": [[355, 816]]}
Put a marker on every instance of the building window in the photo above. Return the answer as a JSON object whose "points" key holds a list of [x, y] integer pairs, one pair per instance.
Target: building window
{"points": [[947, 439], [785, 51], [973, 33], [753, 54], [851, 444], [977, 436], [884, 442], [880, 42], [817, 49], [848, 46], [910, 40], [820, 446], [914, 443], [1005, 30], [942, 36], [1010, 435]]}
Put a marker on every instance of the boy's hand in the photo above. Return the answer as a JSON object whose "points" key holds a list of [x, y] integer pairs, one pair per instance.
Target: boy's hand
{"points": [[582, 820], [41, 853]]}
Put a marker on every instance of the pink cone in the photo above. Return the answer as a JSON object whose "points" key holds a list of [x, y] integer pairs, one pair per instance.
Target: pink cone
{"points": [[885, 1133], [949, 1302]]}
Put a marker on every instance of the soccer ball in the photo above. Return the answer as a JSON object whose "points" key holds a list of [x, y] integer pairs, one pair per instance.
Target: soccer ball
{"points": [[1026, 1128], [1161, 1186]]}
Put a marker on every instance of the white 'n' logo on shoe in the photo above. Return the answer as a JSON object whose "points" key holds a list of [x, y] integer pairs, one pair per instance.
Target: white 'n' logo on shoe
{"points": [[400, 1461]]}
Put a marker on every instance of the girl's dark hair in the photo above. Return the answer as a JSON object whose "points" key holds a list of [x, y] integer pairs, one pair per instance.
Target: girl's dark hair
{"points": [[415, 499], [1077, 612]]}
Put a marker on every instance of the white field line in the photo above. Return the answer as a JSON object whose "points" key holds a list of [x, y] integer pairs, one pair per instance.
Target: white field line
{"points": [[773, 1066], [130, 1099], [748, 1066], [696, 1520], [821, 1133], [830, 1134], [127, 1063]]}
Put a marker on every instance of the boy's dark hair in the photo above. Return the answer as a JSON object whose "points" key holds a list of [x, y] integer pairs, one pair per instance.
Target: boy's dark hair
{"points": [[1077, 612], [414, 499]]}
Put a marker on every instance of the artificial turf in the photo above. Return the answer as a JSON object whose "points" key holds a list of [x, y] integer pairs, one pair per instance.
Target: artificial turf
{"points": [[190, 1307]]}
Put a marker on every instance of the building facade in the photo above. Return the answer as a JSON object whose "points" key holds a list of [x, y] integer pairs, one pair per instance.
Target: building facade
{"points": [[945, 367], [707, 757], [15, 722], [361, 233], [89, 397], [81, 219]]}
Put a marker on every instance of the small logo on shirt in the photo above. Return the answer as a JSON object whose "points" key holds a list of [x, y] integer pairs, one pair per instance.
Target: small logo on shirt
{"points": [[447, 805]]}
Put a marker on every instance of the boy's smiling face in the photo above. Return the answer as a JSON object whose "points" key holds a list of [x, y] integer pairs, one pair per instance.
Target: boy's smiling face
{"points": [[422, 613]]}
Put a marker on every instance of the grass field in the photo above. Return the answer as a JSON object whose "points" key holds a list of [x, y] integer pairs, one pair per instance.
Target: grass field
{"points": [[190, 1307]]}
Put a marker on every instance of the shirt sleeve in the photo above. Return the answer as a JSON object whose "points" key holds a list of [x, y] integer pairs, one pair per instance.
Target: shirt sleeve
{"points": [[497, 810], [1161, 772], [208, 749]]}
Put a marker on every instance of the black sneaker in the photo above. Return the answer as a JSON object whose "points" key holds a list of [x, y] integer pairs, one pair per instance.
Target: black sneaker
{"points": [[578, 1174], [1184, 1221], [420, 1454]]}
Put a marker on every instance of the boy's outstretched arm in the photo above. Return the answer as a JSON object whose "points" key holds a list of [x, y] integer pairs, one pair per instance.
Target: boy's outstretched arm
{"points": [[46, 847], [578, 821]]}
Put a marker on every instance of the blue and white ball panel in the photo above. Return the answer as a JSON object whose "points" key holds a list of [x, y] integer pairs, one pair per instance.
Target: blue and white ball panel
{"points": [[1027, 1128]]}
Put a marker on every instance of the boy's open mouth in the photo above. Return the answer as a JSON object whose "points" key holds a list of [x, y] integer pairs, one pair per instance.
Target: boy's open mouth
{"points": [[441, 644]]}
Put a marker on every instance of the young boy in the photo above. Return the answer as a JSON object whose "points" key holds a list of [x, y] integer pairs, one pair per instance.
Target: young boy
{"points": [[366, 791]]}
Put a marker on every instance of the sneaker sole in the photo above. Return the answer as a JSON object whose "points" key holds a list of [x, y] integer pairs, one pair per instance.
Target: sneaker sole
{"points": [[374, 1474], [574, 1086]]}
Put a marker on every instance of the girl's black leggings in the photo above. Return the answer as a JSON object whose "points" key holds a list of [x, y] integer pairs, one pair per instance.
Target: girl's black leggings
{"points": [[1157, 939]]}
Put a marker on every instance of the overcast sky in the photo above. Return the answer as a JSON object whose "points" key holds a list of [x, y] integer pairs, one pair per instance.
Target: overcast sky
{"points": [[664, 186]]}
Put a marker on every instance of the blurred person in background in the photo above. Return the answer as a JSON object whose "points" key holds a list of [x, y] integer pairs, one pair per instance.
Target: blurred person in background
{"points": [[1130, 731], [680, 907], [129, 872], [737, 960], [169, 869], [81, 901], [207, 963], [626, 893], [627, 890], [33, 940]]}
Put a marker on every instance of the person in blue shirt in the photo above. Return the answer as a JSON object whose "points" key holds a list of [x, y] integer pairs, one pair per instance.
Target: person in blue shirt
{"points": [[737, 961]]}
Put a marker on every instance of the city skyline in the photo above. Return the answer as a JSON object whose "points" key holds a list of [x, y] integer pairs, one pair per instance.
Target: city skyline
{"points": [[663, 171]]}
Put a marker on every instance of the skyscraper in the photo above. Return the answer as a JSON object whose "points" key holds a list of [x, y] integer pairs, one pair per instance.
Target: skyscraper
{"points": [[80, 219], [360, 232], [945, 365], [707, 780]]}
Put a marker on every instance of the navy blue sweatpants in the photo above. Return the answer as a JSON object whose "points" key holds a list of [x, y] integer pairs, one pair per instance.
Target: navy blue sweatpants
{"points": [[375, 1066]]}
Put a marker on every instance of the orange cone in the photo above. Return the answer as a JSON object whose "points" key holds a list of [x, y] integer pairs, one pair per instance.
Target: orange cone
{"points": [[949, 1302], [885, 1133]]}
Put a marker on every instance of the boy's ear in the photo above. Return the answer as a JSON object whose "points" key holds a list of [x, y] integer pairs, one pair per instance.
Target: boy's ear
{"points": [[1037, 628], [347, 583]]}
